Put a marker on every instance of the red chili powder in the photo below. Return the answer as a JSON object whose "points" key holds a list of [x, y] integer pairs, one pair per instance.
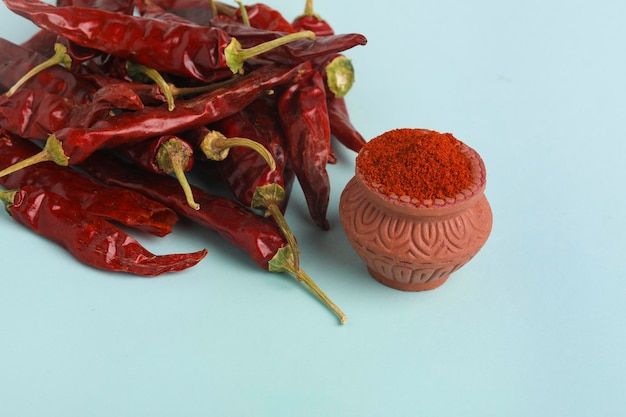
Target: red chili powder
{"points": [[422, 165]]}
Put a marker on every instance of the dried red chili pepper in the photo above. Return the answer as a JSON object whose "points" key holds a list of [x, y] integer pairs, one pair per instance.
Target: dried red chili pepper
{"points": [[295, 52], [310, 20], [253, 181], [72, 145], [205, 54], [304, 118], [118, 204], [244, 171], [165, 155], [90, 239], [256, 235], [262, 16]]}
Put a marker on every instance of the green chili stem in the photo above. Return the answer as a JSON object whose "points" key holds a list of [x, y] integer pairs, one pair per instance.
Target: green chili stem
{"points": [[236, 55], [8, 197], [219, 7], [188, 91], [52, 151], [268, 198], [173, 157], [135, 69], [216, 147], [284, 262], [60, 57], [244, 13], [340, 76]]}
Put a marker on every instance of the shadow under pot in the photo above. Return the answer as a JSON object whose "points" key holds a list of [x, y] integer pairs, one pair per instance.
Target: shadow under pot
{"points": [[416, 211]]}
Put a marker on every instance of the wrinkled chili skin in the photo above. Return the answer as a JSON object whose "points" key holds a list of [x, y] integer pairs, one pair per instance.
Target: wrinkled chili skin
{"points": [[118, 6], [313, 23], [133, 127], [304, 118], [265, 17], [36, 114], [184, 50], [91, 239], [258, 236], [196, 11], [114, 203]]}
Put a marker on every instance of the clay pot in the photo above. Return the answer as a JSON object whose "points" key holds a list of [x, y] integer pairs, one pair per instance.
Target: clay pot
{"points": [[415, 246]]}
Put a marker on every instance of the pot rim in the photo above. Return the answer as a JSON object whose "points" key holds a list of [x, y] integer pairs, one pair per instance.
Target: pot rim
{"points": [[434, 207]]}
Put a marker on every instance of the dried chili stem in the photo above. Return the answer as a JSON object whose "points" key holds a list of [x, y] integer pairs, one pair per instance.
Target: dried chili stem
{"points": [[60, 57], [189, 91], [236, 55], [308, 8], [173, 157], [135, 70], [52, 151], [244, 13], [340, 76], [284, 262], [219, 7], [216, 147], [268, 198], [8, 197]]}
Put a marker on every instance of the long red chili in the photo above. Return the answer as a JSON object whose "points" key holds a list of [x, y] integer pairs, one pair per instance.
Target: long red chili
{"points": [[304, 117], [257, 235], [291, 53], [205, 54], [72, 145], [114, 203], [90, 239]]}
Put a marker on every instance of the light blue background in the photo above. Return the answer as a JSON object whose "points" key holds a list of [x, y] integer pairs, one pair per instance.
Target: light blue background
{"points": [[534, 325]]}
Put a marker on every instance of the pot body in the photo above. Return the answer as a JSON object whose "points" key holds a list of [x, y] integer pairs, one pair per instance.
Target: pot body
{"points": [[415, 247]]}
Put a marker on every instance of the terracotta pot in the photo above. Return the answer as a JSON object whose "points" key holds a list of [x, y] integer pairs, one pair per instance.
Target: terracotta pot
{"points": [[415, 246]]}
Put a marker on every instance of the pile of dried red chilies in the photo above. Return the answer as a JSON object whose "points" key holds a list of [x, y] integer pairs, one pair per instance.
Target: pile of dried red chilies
{"points": [[139, 93]]}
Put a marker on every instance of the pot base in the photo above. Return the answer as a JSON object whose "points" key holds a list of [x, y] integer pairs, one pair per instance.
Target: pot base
{"points": [[420, 286]]}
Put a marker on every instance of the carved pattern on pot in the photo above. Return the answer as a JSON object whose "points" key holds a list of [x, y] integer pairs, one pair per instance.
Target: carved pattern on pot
{"points": [[411, 249]]}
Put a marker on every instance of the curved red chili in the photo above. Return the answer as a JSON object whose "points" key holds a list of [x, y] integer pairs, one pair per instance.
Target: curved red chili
{"points": [[257, 236], [90, 239]]}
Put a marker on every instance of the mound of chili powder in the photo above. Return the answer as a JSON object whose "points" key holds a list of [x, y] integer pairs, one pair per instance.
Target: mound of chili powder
{"points": [[415, 163]]}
